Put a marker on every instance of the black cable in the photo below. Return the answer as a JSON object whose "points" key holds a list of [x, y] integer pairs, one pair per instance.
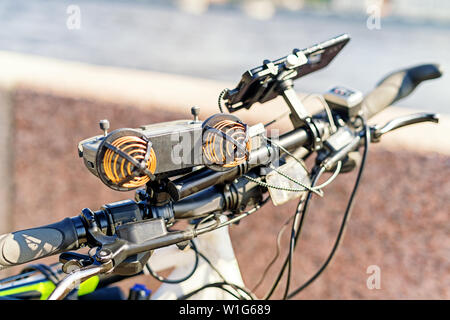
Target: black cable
{"points": [[290, 255], [296, 230], [294, 237], [276, 119], [292, 247], [165, 280], [315, 176], [46, 271], [275, 258], [219, 285], [234, 286], [344, 219], [225, 282]]}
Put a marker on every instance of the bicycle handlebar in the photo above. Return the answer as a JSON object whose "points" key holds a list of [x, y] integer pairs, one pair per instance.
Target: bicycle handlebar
{"points": [[27, 245], [204, 178], [396, 86]]}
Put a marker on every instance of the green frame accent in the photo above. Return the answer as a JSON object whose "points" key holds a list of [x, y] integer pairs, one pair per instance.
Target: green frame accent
{"points": [[46, 287]]}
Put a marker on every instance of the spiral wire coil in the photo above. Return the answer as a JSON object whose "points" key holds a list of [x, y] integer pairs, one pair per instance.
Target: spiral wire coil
{"points": [[226, 143], [120, 170]]}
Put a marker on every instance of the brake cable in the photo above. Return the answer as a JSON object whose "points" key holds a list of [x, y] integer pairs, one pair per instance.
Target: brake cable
{"points": [[325, 107], [235, 287], [45, 270], [314, 189], [235, 219], [315, 176], [219, 285], [316, 173], [295, 234], [317, 190], [170, 281], [274, 259], [208, 228], [292, 243], [345, 218]]}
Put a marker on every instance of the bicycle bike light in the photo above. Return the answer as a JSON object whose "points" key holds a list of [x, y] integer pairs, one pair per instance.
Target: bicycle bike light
{"points": [[126, 159], [226, 142]]}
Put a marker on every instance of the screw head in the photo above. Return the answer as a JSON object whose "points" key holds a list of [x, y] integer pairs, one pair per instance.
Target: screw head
{"points": [[292, 61], [104, 255], [71, 265], [104, 124], [195, 111]]}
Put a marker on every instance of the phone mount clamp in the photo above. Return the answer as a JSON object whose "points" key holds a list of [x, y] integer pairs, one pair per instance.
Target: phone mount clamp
{"points": [[299, 116]]}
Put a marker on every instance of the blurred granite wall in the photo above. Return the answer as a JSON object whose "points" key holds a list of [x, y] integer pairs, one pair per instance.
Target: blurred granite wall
{"points": [[399, 221]]}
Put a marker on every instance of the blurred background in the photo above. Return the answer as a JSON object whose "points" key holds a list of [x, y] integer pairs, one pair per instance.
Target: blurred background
{"points": [[218, 39], [64, 65]]}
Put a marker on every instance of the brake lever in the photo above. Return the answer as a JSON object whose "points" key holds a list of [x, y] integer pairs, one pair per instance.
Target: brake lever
{"points": [[80, 267], [78, 276], [84, 267], [377, 132]]}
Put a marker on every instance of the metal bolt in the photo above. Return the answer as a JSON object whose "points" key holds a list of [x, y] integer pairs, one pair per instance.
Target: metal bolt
{"points": [[71, 265], [104, 125], [195, 112], [292, 61], [104, 255]]}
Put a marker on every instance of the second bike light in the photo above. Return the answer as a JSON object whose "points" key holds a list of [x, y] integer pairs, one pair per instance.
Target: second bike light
{"points": [[226, 142]]}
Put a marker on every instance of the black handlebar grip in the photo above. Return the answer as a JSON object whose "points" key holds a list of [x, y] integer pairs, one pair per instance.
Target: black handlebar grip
{"points": [[398, 85], [27, 245]]}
